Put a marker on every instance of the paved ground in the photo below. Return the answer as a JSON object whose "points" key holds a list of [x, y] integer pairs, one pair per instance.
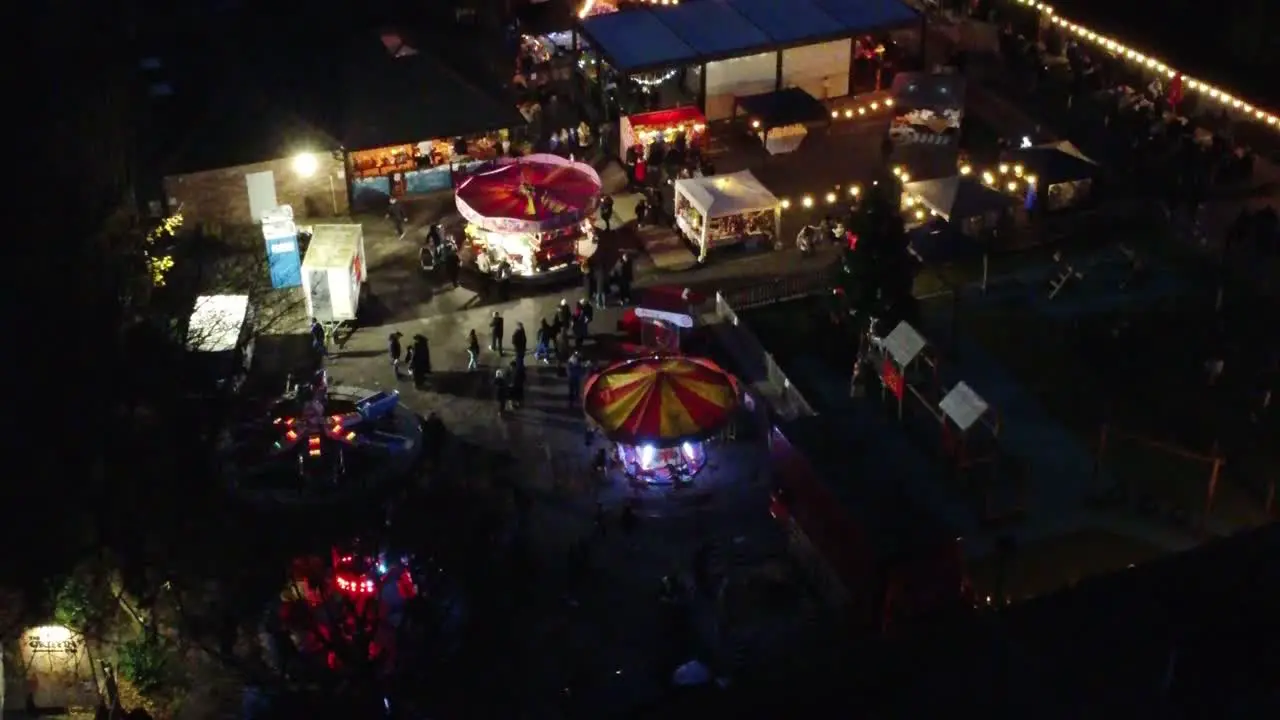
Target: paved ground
{"points": [[604, 635]]}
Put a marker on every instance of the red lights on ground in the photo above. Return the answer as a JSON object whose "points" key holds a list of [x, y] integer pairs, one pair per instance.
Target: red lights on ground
{"points": [[356, 586], [313, 446], [351, 437], [291, 435]]}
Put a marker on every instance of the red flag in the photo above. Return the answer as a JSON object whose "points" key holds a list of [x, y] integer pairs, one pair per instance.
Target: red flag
{"points": [[1175, 90]]}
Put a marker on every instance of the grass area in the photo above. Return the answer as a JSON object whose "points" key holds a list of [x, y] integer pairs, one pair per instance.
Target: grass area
{"points": [[1148, 389], [1037, 568]]}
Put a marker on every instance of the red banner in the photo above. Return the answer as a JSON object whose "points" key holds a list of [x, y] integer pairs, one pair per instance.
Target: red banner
{"points": [[892, 377]]}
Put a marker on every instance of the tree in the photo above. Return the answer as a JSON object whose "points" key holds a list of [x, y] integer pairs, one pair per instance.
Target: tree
{"points": [[877, 273]]}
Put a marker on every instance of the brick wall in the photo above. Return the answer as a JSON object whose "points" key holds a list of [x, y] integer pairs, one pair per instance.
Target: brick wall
{"points": [[222, 196]]}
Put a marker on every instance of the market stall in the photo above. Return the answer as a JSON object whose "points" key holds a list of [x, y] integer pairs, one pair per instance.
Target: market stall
{"points": [[658, 410], [527, 215], [963, 201], [1064, 174], [725, 209], [645, 128], [421, 168]]}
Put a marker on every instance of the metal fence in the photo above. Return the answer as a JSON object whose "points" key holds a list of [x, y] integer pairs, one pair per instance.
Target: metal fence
{"points": [[756, 366], [781, 289]]}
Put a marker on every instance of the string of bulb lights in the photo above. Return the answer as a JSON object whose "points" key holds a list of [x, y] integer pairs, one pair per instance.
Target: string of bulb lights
{"points": [[1007, 177], [1231, 100]]}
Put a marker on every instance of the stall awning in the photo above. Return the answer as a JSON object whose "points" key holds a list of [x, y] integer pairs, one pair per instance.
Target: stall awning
{"points": [[1054, 163], [959, 197], [861, 16], [792, 106], [963, 406], [637, 40], [790, 23], [713, 28], [727, 195], [697, 32], [413, 96]]}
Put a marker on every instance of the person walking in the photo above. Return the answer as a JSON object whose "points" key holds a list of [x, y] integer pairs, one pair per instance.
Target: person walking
{"points": [[564, 325], [395, 351], [519, 342], [579, 327], [574, 374], [496, 333], [452, 266], [546, 335], [397, 215], [626, 274], [606, 211], [600, 285], [420, 360], [319, 341], [473, 350], [501, 392]]}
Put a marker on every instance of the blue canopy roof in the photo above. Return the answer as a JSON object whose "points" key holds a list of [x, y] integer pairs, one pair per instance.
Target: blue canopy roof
{"points": [[867, 15], [713, 27], [656, 37], [637, 40], [789, 22]]}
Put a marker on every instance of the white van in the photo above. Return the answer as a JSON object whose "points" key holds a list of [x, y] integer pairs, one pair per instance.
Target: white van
{"points": [[220, 341]]}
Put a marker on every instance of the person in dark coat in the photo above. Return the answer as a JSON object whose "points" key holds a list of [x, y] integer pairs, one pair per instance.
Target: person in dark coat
{"points": [[496, 332], [420, 361], [546, 336], [564, 324], [435, 239], [518, 376], [626, 273], [396, 213], [588, 311], [501, 390], [606, 211], [519, 342], [579, 327], [395, 351], [453, 267], [600, 285], [319, 343], [575, 371]]}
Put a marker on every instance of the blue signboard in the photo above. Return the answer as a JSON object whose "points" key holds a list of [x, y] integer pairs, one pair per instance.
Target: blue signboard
{"points": [[428, 180]]}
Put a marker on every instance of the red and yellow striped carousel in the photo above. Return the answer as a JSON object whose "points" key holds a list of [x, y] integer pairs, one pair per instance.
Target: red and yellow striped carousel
{"points": [[658, 410]]}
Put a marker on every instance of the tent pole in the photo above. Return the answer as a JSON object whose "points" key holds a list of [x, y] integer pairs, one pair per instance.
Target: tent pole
{"points": [[853, 67], [985, 269], [702, 90], [777, 82]]}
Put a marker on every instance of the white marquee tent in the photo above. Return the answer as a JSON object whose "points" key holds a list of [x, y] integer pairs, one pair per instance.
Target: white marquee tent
{"points": [[736, 195]]}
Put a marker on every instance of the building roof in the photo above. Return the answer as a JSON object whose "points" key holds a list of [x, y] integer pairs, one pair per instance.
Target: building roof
{"points": [[659, 36], [394, 98]]}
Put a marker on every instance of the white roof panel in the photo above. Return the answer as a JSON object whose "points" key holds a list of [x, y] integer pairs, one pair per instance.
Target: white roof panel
{"points": [[904, 344], [727, 195], [216, 322], [330, 250], [964, 406]]}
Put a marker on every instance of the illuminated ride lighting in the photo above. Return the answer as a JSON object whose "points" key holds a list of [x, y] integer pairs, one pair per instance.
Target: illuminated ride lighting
{"points": [[1188, 83]]}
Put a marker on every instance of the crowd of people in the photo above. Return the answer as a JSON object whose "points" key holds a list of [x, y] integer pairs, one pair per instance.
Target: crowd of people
{"points": [[1162, 147]]}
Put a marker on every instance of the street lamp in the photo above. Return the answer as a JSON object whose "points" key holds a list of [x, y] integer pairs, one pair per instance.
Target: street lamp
{"points": [[305, 165]]}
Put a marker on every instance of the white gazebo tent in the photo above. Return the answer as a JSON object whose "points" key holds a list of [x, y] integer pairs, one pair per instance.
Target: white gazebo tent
{"points": [[724, 209]]}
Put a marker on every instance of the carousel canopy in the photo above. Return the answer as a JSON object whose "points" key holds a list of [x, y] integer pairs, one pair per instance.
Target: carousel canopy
{"points": [[727, 195], [532, 194], [660, 401], [959, 197]]}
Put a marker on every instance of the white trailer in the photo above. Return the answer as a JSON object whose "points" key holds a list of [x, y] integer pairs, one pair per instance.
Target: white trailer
{"points": [[332, 274], [346, 234]]}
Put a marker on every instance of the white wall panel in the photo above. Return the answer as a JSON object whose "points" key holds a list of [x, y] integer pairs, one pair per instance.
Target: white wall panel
{"points": [[821, 70], [738, 77]]}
